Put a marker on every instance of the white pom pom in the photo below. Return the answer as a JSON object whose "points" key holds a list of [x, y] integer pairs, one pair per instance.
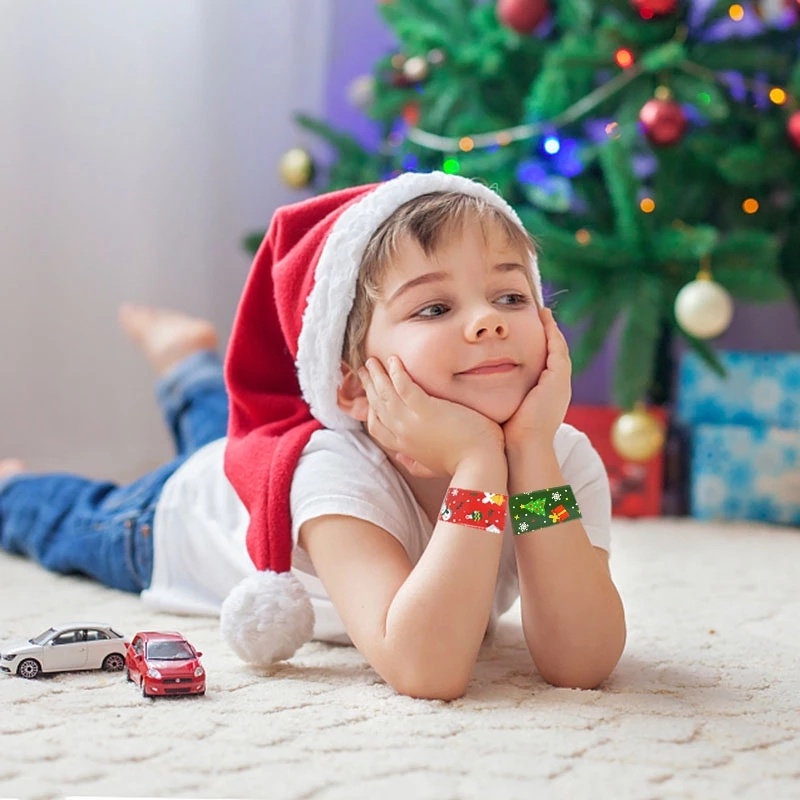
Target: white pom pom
{"points": [[267, 617]]}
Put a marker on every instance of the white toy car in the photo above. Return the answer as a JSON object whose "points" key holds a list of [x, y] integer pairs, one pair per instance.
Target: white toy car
{"points": [[64, 648]]}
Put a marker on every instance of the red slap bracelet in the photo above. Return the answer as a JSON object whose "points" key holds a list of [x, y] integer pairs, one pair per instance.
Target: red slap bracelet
{"points": [[482, 510]]}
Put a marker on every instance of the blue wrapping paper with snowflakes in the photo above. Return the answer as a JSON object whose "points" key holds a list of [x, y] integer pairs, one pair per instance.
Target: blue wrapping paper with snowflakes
{"points": [[744, 433], [745, 472], [759, 389]]}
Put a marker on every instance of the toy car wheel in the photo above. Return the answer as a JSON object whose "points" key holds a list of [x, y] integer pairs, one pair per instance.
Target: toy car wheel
{"points": [[128, 676], [29, 668], [113, 663], [144, 690]]}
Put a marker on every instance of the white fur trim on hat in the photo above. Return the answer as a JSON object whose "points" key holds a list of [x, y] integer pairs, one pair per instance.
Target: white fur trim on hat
{"points": [[319, 346], [267, 617]]}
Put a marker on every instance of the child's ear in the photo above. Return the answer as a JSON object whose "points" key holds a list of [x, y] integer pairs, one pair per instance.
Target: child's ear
{"points": [[351, 396]]}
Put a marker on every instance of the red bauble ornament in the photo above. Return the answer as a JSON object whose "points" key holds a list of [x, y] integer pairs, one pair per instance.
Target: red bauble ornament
{"points": [[793, 129], [663, 121], [654, 8], [522, 16]]}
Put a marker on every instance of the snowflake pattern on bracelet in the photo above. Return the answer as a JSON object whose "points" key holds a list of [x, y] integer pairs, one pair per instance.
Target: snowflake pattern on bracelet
{"points": [[535, 510], [485, 510]]}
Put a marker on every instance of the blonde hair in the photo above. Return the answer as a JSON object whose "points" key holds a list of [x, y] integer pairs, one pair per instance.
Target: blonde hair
{"points": [[429, 220]]}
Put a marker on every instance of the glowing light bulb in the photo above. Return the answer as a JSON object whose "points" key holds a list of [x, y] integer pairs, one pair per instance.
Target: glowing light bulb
{"points": [[778, 95], [624, 58], [750, 205], [647, 205], [451, 166], [551, 145], [466, 144], [736, 12]]}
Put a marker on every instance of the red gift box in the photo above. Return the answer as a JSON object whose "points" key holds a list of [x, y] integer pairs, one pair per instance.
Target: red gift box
{"points": [[636, 486]]}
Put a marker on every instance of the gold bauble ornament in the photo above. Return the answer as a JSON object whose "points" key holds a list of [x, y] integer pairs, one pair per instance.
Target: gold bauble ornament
{"points": [[637, 435], [296, 167]]}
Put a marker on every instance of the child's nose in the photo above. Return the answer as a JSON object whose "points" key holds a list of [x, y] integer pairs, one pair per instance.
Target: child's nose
{"points": [[488, 322]]}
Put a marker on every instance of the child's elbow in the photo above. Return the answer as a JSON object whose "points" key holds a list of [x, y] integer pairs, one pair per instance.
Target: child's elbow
{"points": [[581, 674], [424, 686], [429, 691], [576, 680]]}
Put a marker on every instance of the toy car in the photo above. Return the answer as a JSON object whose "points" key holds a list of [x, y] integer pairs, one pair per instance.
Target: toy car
{"points": [[66, 648], [164, 664]]}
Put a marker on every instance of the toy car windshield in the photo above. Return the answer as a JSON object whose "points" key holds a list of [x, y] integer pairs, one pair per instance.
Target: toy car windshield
{"points": [[169, 651], [43, 637]]}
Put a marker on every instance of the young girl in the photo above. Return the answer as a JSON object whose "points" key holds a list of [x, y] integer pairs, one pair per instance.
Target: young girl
{"points": [[394, 380]]}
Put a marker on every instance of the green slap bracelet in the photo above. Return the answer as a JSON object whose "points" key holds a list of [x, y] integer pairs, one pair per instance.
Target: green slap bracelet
{"points": [[532, 511]]}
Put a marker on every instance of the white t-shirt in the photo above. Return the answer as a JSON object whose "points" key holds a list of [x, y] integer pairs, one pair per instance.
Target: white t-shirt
{"points": [[200, 524]]}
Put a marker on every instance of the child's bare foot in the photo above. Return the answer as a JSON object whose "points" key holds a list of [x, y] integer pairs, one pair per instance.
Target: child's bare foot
{"points": [[166, 337], [10, 466]]}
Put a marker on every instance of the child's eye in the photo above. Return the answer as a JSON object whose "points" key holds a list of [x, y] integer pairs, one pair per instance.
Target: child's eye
{"points": [[433, 310], [513, 299]]}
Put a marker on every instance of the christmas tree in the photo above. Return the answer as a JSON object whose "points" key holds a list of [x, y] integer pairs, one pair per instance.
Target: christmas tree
{"points": [[652, 147]]}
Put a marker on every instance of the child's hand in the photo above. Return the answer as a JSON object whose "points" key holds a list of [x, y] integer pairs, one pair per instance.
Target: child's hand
{"points": [[430, 436], [543, 409]]}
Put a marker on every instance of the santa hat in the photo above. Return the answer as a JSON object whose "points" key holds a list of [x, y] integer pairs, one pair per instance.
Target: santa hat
{"points": [[283, 369]]}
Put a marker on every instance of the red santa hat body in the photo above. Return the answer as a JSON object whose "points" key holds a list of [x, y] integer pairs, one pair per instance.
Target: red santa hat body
{"points": [[283, 369]]}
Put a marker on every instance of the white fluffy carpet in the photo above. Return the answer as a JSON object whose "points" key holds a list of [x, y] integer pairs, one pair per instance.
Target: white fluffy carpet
{"points": [[704, 704]]}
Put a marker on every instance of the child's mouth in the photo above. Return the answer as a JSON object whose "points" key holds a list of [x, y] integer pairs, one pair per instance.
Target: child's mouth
{"points": [[490, 369]]}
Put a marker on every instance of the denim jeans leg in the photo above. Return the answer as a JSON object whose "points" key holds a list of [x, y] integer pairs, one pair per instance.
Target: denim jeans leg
{"points": [[70, 524], [194, 401]]}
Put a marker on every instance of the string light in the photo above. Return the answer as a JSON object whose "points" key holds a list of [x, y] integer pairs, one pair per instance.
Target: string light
{"points": [[551, 145], [582, 236], [504, 137], [451, 166], [449, 144], [466, 143], [624, 58], [736, 12], [750, 206], [647, 205], [778, 95]]}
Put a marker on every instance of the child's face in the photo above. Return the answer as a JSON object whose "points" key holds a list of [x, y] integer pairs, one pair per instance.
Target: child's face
{"points": [[448, 314]]}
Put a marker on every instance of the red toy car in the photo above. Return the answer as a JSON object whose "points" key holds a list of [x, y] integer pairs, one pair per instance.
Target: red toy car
{"points": [[164, 664]]}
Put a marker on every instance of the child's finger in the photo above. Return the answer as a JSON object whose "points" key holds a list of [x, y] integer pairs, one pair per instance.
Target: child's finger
{"points": [[379, 431], [408, 391], [382, 387], [553, 332], [369, 387]]}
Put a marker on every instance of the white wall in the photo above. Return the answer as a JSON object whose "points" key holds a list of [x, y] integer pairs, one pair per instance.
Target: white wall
{"points": [[138, 142]]}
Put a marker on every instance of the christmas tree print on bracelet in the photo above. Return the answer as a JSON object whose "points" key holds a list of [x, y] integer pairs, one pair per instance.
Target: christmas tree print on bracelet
{"points": [[483, 510], [534, 510]]}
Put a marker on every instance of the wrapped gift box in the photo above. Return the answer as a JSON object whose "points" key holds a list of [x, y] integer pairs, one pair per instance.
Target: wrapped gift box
{"points": [[744, 432], [636, 487], [759, 389], [746, 472]]}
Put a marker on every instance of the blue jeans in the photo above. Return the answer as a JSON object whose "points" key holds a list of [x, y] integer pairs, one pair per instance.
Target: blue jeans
{"points": [[75, 525]]}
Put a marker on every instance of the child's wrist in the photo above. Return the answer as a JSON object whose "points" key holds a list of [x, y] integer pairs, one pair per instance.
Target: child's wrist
{"points": [[487, 446], [475, 467], [524, 458]]}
